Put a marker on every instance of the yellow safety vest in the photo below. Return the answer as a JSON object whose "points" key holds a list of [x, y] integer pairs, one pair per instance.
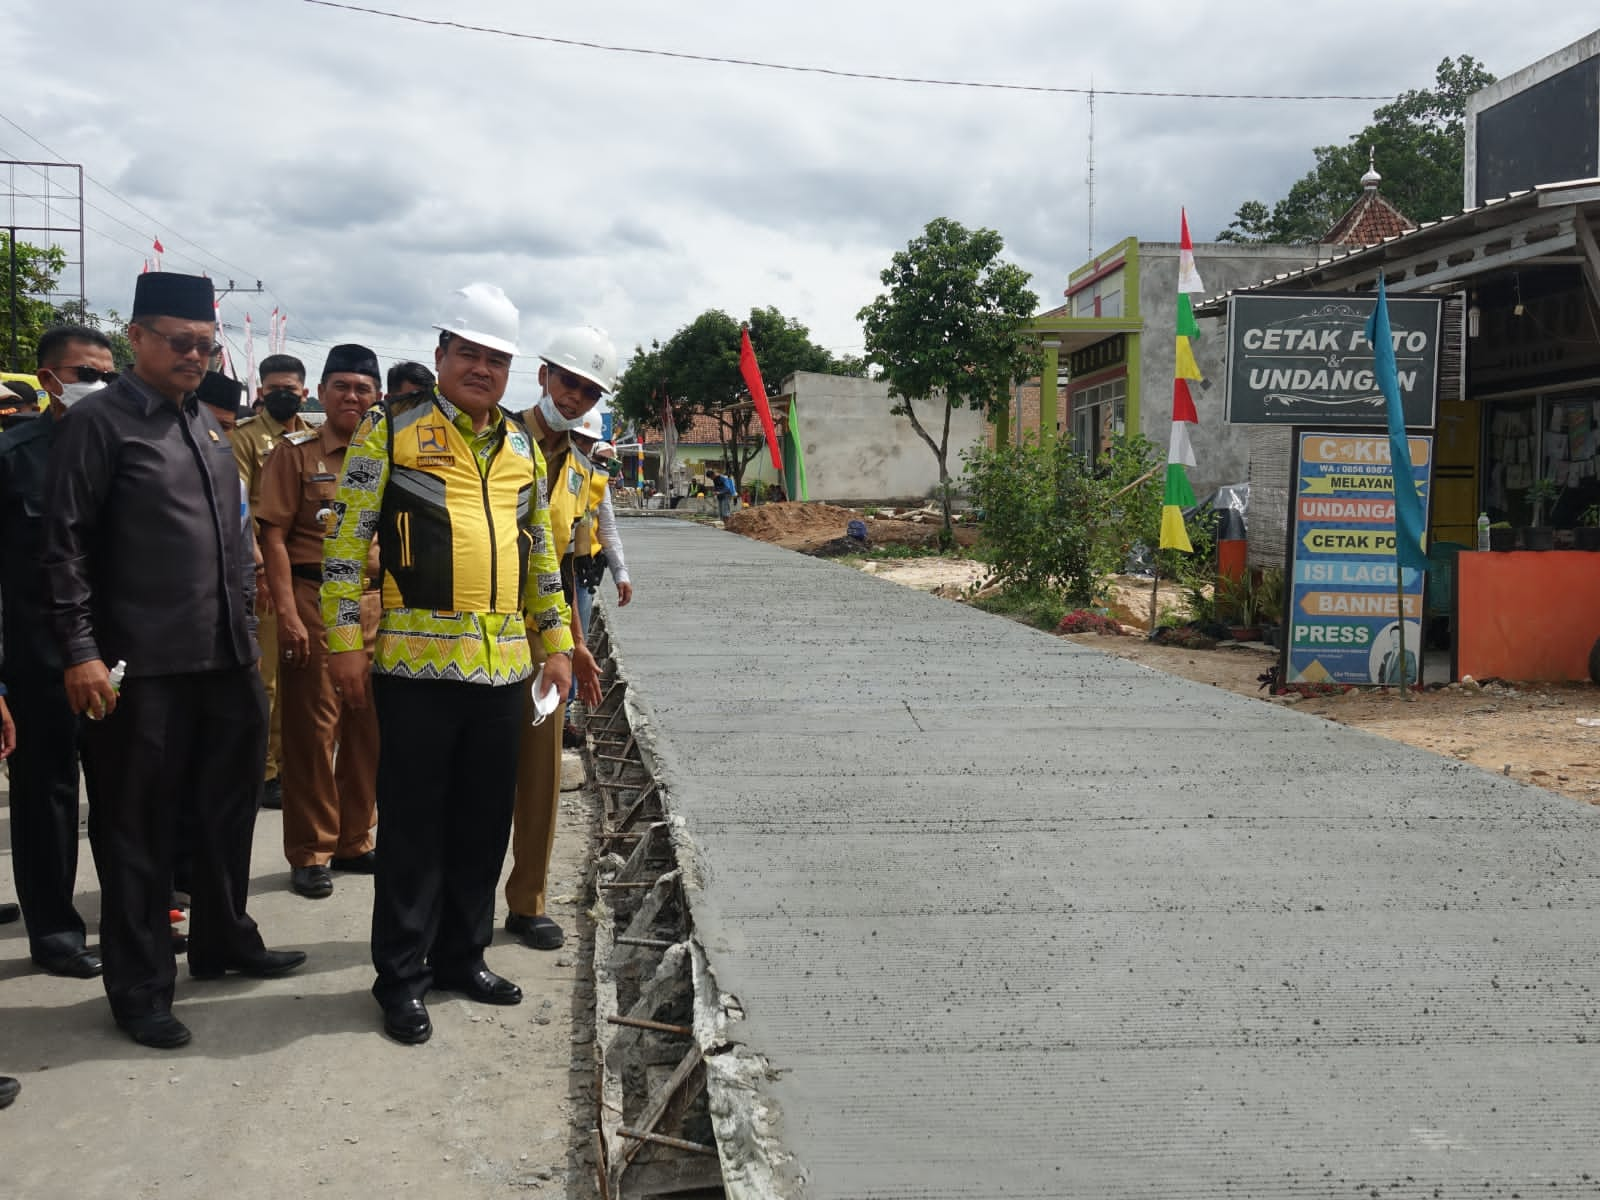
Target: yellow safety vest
{"points": [[455, 538], [570, 483], [598, 482]]}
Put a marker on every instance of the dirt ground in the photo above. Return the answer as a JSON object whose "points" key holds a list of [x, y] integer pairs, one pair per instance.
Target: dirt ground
{"points": [[1546, 734], [805, 527]]}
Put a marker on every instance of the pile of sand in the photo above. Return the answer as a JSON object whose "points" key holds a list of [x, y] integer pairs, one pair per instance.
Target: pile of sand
{"points": [[810, 527], [793, 525]]}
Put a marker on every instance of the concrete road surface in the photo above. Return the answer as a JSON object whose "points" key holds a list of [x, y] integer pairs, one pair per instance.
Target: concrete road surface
{"points": [[1008, 917]]}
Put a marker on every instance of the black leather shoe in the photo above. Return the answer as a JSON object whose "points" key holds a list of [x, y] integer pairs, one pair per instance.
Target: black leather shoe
{"points": [[482, 985], [272, 794], [538, 933], [407, 1022], [9, 913], [266, 965], [158, 1030], [76, 964], [9, 1088], [360, 864], [314, 883]]}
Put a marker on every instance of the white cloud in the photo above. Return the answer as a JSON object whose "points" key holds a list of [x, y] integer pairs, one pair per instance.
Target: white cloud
{"points": [[362, 167]]}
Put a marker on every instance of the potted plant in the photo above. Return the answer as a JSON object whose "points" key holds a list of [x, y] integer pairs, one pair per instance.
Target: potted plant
{"points": [[1239, 607], [1542, 494], [1502, 536], [1269, 597], [1587, 535]]}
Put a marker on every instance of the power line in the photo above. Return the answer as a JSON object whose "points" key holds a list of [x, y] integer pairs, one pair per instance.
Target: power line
{"points": [[834, 72], [124, 200]]}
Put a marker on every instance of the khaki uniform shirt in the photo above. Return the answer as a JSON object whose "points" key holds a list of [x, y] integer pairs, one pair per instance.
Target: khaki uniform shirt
{"points": [[253, 441], [298, 486]]}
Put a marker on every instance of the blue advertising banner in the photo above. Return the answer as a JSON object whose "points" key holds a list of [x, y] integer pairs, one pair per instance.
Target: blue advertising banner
{"points": [[1342, 623]]}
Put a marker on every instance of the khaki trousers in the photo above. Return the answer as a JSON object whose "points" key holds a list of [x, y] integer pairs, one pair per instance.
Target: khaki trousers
{"points": [[267, 636], [330, 774], [533, 829]]}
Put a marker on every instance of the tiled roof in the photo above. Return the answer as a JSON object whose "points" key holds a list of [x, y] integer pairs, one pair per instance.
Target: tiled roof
{"points": [[702, 431], [1368, 221]]}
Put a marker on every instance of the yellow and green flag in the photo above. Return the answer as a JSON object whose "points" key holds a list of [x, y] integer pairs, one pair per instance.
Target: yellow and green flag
{"points": [[1179, 494]]}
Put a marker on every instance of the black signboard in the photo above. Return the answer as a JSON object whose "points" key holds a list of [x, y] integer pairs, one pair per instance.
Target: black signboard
{"points": [[1304, 359]]}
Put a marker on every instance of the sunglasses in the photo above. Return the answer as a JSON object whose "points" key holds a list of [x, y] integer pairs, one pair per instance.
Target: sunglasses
{"points": [[86, 374], [577, 383], [184, 344]]}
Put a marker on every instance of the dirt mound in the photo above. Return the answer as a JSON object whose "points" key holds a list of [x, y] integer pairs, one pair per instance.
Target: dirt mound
{"points": [[793, 525], [808, 526]]}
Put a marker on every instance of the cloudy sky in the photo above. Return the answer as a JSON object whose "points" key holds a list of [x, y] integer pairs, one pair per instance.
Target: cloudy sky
{"points": [[362, 166]]}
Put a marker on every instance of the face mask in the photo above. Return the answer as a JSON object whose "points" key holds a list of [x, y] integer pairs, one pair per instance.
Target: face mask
{"points": [[281, 404], [71, 393], [554, 421]]}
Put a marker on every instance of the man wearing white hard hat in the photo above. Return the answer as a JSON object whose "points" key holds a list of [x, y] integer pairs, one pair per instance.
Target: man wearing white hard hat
{"points": [[472, 607], [579, 367]]}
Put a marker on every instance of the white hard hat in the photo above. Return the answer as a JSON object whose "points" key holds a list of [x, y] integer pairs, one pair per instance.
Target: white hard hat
{"points": [[603, 450], [592, 425], [586, 351], [481, 313]]}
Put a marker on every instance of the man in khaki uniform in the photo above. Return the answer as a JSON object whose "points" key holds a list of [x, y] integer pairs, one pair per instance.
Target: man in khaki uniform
{"points": [[283, 389], [330, 797], [578, 368]]}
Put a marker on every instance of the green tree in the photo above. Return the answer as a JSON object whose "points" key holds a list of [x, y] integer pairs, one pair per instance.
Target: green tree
{"points": [[110, 324], [1418, 141], [696, 372], [38, 268], [950, 333]]}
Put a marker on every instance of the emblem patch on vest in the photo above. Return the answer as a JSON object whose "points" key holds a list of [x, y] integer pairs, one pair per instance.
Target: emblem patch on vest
{"points": [[430, 437], [574, 482]]}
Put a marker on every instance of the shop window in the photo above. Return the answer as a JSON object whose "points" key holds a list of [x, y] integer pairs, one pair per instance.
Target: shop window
{"points": [[1098, 414], [1544, 438]]}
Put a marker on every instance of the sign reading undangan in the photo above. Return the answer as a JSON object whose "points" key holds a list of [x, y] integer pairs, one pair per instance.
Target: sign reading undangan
{"points": [[1304, 358]]}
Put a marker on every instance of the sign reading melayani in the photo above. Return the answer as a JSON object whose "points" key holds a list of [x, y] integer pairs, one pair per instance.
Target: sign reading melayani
{"points": [[1304, 358]]}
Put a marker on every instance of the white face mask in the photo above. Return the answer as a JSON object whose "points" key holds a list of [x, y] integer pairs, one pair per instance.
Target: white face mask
{"points": [[555, 421], [71, 393]]}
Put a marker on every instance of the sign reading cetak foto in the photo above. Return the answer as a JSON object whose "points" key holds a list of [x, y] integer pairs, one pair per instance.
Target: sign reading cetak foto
{"points": [[1344, 608]]}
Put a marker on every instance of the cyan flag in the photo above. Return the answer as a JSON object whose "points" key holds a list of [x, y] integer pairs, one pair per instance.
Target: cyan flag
{"points": [[1409, 520]]}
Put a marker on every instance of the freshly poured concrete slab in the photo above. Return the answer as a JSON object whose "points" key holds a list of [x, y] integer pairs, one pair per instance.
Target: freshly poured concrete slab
{"points": [[1009, 917]]}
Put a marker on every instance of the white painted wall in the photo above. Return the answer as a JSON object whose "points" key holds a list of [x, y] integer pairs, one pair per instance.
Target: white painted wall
{"points": [[857, 451]]}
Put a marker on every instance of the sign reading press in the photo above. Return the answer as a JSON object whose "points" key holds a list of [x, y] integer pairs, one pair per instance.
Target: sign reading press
{"points": [[1305, 360]]}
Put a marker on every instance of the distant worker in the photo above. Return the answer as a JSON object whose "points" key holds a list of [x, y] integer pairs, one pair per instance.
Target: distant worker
{"points": [[579, 367], [330, 767], [280, 396], [147, 566], [456, 495], [725, 493]]}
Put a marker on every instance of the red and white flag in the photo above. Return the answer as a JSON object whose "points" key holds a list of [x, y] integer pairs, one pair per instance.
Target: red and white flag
{"points": [[160, 250]]}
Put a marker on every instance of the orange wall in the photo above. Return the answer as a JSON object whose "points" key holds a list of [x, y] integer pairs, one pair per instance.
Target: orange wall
{"points": [[1528, 615]]}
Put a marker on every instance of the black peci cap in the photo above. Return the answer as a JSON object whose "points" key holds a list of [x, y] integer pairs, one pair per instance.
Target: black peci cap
{"points": [[352, 358], [217, 390], [165, 294]]}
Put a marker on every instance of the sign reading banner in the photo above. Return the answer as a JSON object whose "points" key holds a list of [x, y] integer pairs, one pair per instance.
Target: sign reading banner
{"points": [[1342, 625], [1304, 358]]}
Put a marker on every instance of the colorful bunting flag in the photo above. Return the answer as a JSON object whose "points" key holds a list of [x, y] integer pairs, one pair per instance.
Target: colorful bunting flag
{"points": [[1179, 493]]}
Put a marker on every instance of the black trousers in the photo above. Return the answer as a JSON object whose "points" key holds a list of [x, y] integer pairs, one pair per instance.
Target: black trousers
{"points": [[179, 748], [447, 781], [44, 814]]}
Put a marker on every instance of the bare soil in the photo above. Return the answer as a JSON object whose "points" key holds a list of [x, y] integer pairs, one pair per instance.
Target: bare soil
{"points": [[808, 526]]}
